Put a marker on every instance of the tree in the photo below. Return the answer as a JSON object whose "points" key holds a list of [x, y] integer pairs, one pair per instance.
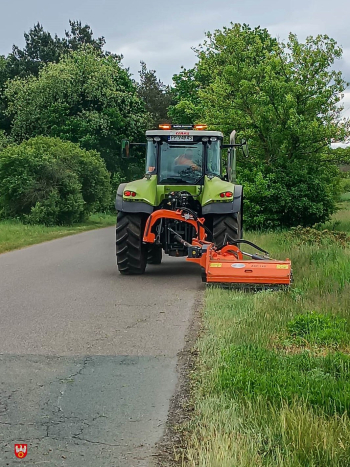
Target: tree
{"points": [[86, 98], [42, 48], [284, 98], [79, 36], [186, 107], [49, 181], [155, 94]]}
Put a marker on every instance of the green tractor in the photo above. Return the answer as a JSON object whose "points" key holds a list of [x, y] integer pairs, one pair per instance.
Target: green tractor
{"points": [[183, 171]]}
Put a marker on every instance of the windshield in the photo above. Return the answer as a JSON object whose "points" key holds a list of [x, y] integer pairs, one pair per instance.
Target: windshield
{"points": [[213, 158], [181, 163]]}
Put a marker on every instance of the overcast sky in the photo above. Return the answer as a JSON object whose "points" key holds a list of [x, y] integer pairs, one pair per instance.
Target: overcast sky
{"points": [[161, 33]]}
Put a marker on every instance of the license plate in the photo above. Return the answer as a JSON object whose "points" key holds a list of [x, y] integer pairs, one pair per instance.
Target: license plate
{"points": [[180, 138]]}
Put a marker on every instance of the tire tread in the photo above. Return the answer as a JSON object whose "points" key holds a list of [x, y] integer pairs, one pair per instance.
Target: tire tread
{"points": [[130, 251]]}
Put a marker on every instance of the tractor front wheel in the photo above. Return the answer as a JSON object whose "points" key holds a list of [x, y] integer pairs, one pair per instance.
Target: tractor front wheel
{"points": [[154, 254], [131, 252], [226, 227]]}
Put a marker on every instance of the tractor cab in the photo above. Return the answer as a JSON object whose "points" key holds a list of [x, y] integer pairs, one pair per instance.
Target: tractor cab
{"points": [[184, 173], [183, 154]]}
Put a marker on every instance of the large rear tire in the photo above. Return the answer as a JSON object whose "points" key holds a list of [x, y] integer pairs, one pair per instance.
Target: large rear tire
{"points": [[131, 252], [154, 254], [226, 227]]}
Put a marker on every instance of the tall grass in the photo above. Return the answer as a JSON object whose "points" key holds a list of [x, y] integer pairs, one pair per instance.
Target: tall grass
{"points": [[272, 386]]}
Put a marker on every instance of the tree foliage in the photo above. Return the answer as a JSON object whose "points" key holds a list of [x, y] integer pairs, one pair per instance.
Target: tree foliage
{"points": [[283, 97], [5, 122], [187, 106], [41, 47], [49, 181], [156, 96], [86, 98], [339, 156], [4, 140]]}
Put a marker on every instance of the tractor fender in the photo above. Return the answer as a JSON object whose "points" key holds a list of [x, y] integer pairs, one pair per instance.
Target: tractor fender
{"points": [[226, 208], [238, 198], [121, 188], [130, 206]]}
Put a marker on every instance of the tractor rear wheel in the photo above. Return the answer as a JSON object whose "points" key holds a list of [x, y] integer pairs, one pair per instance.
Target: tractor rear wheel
{"points": [[154, 254], [226, 227], [131, 252]]}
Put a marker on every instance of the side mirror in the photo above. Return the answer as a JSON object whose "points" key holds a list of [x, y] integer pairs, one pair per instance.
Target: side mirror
{"points": [[245, 148], [125, 152]]}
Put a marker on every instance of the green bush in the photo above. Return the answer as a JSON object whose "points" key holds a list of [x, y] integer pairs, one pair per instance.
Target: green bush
{"points": [[50, 181], [289, 194]]}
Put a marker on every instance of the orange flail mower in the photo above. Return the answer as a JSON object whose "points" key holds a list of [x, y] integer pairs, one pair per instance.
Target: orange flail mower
{"points": [[228, 265]]}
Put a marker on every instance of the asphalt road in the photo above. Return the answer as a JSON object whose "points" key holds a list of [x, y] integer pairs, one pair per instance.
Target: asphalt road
{"points": [[87, 356]]}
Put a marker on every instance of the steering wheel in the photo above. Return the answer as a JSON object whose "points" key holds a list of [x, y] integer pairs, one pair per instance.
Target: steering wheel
{"points": [[185, 169]]}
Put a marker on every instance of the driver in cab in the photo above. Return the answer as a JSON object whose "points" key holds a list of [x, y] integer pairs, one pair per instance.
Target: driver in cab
{"points": [[187, 159]]}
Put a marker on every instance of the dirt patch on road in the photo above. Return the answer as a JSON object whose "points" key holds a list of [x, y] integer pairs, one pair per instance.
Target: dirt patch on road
{"points": [[170, 448]]}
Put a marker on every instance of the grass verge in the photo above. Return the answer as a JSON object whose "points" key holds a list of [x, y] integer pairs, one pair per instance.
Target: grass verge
{"points": [[14, 234], [272, 385]]}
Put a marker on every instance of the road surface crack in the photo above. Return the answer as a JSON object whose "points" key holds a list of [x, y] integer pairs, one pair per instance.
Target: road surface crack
{"points": [[136, 323], [4, 399], [79, 372], [95, 442]]}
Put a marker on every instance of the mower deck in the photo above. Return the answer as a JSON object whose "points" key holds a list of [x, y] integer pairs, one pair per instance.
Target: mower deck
{"points": [[226, 266]]}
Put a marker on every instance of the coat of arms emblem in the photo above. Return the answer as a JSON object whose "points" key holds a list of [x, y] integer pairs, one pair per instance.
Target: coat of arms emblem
{"points": [[20, 450]]}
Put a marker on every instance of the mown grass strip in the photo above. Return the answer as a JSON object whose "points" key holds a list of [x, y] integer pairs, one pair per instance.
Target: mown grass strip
{"points": [[15, 235], [272, 386]]}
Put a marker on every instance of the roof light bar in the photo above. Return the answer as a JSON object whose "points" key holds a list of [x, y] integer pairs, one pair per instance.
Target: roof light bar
{"points": [[200, 127], [171, 126]]}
